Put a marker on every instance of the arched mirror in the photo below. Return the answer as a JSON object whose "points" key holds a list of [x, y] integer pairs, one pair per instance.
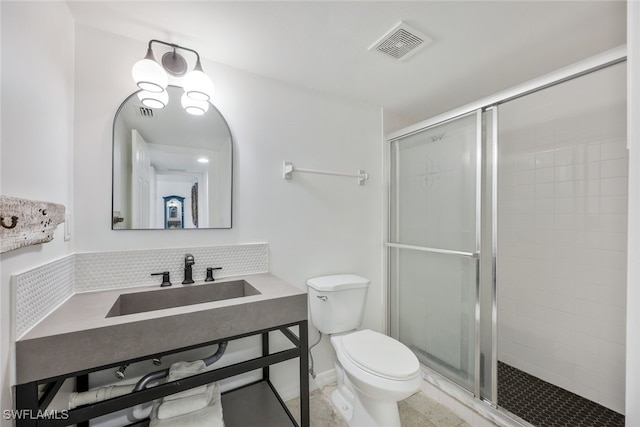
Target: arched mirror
{"points": [[167, 155]]}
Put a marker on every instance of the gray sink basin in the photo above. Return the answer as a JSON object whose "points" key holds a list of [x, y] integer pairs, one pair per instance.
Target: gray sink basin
{"points": [[140, 302]]}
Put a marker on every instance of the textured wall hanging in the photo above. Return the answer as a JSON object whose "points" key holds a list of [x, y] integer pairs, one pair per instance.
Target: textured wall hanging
{"points": [[27, 222]]}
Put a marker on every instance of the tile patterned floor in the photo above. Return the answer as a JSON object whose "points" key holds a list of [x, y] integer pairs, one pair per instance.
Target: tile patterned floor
{"points": [[416, 411], [545, 405]]}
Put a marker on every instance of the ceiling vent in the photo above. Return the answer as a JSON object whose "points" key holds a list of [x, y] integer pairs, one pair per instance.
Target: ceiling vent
{"points": [[402, 42], [145, 112]]}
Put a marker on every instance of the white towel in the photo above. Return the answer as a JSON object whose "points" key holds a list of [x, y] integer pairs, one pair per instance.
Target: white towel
{"points": [[184, 369], [210, 416], [186, 405], [181, 370]]}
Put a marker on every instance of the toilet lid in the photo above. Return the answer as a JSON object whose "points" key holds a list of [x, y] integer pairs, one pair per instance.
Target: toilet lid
{"points": [[380, 355]]}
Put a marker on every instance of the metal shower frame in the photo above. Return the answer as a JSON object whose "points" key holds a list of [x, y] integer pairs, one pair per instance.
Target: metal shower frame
{"points": [[595, 63]]}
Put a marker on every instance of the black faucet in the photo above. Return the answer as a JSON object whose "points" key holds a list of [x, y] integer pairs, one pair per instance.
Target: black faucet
{"points": [[188, 262], [209, 277], [165, 279]]}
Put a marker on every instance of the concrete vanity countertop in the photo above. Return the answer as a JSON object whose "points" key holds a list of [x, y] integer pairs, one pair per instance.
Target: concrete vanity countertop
{"points": [[78, 336]]}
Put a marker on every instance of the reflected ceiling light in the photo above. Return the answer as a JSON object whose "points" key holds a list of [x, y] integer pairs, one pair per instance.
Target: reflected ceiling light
{"points": [[193, 106], [203, 160], [150, 76], [153, 99]]}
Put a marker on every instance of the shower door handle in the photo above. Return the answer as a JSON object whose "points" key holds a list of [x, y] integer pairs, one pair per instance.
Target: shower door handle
{"points": [[434, 250]]}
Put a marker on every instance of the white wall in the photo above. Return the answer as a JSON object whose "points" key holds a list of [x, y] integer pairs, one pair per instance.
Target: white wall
{"points": [[633, 278], [37, 135], [314, 225]]}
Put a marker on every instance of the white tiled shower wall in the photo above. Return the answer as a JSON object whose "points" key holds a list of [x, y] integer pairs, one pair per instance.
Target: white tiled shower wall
{"points": [[562, 222]]}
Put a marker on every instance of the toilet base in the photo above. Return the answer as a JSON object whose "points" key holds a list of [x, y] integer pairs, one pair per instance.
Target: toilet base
{"points": [[365, 414], [343, 404], [359, 410]]}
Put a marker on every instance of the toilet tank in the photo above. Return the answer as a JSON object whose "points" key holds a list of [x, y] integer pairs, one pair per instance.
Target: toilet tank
{"points": [[337, 302]]}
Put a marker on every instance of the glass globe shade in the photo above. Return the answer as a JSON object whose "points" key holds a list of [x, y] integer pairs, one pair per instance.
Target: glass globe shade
{"points": [[197, 85], [149, 75]]}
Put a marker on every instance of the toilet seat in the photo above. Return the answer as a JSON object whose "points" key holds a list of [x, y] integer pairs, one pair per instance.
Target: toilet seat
{"points": [[380, 355]]}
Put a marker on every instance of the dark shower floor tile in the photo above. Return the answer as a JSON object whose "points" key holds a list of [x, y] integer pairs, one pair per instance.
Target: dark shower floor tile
{"points": [[546, 405]]}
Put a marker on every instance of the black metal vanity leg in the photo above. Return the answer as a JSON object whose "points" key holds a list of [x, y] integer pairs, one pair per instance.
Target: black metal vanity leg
{"points": [[304, 374], [265, 352], [26, 405], [82, 384]]}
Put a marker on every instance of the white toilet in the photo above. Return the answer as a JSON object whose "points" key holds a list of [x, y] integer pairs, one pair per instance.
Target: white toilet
{"points": [[374, 371]]}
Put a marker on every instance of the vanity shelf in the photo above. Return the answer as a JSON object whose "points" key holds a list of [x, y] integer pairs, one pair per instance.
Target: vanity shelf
{"points": [[268, 409]]}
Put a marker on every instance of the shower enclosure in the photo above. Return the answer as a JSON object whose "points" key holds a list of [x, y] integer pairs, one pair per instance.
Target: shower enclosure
{"points": [[507, 242]]}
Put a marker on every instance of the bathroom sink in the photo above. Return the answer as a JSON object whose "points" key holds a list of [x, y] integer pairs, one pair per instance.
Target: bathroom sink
{"points": [[161, 299]]}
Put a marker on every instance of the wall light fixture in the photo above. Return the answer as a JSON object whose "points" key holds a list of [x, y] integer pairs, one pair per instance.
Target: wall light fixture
{"points": [[153, 78]]}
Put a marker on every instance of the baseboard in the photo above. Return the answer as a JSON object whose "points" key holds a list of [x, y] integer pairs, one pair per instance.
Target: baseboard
{"points": [[323, 379]]}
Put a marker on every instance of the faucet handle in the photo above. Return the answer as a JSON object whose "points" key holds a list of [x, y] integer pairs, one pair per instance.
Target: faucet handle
{"points": [[210, 273], [165, 278]]}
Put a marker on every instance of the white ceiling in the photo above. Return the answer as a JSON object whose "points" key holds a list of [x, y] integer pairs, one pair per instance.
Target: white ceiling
{"points": [[480, 47]]}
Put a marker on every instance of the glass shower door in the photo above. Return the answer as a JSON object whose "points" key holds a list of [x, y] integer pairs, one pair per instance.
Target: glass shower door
{"points": [[434, 245]]}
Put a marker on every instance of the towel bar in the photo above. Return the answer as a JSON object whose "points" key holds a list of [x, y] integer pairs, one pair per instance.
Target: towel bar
{"points": [[288, 168]]}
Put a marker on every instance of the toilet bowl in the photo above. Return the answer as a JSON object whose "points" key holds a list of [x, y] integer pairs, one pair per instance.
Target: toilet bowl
{"points": [[377, 372], [374, 371]]}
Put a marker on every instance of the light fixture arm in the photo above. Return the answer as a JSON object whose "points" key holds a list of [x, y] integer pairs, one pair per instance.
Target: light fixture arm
{"points": [[175, 46]]}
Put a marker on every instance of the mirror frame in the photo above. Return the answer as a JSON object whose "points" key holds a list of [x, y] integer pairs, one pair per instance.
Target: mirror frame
{"points": [[116, 219]]}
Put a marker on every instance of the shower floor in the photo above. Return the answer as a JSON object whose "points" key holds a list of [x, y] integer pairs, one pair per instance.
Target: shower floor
{"points": [[544, 404]]}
